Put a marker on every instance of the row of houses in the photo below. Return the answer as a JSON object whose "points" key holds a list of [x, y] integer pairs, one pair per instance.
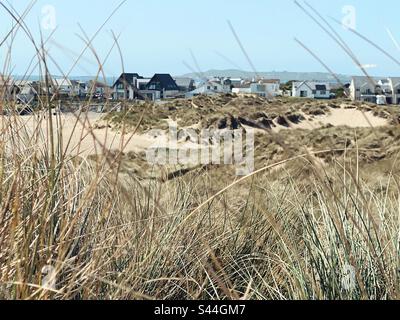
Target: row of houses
{"points": [[25, 91], [129, 86], [364, 89], [132, 86], [380, 91]]}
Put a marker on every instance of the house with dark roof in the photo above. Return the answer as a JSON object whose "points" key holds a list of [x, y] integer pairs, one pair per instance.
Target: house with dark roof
{"points": [[311, 90], [161, 86], [126, 87]]}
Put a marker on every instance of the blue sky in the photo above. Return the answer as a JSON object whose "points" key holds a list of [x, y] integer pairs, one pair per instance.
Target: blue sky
{"points": [[157, 35]]}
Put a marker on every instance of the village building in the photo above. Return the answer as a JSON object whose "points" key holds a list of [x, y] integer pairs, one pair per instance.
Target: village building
{"points": [[126, 87], [98, 90], [160, 86], [383, 91], [236, 81], [79, 89], [142, 83], [263, 88], [363, 89], [23, 91], [61, 87], [311, 90], [212, 87]]}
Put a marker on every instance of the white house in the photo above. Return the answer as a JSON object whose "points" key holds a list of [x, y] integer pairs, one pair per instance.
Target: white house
{"points": [[141, 83], [212, 87], [62, 86], [79, 88], [311, 89], [363, 89], [24, 91], [151, 95], [383, 91], [395, 86], [262, 88], [236, 81]]}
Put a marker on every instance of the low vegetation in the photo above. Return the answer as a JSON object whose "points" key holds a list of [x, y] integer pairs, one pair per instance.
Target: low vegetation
{"points": [[319, 219]]}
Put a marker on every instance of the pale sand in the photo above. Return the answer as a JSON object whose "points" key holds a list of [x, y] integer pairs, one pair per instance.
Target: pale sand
{"points": [[85, 141], [351, 118]]}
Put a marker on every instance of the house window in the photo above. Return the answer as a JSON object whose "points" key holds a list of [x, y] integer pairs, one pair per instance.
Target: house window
{"points": [[323, 92], [215, 88], [314, 91], [208, 88], [303, 94], [261, 88], [398, 91]]}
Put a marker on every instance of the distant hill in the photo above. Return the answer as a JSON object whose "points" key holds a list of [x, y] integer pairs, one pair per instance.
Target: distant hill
{"points": [[284, 76]]}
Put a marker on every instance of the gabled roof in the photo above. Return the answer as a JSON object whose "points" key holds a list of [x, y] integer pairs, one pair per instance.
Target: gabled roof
{"points": [[162, 81], [298, 85], [312, 85], [361, 81], [127, 78]]}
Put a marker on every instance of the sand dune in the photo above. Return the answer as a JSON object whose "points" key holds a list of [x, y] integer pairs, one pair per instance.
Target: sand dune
{"points": [[79, 136], [89, 135], [352, 118]]}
